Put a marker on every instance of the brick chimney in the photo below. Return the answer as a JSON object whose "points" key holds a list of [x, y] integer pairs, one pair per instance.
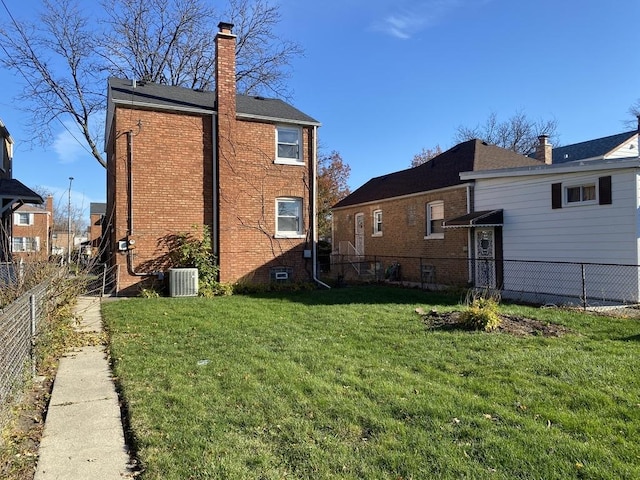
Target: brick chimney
{"points": [[49, 204], [226, 70], [544, 150], [225, 179]]}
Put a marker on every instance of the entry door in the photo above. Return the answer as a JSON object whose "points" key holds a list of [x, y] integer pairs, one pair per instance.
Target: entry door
{"points": [[485, 258], [359, 229]]}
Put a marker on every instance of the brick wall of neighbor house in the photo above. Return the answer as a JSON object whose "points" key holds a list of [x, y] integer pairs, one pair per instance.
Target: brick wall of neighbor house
{"points": [[403, 231], [40, 228]]}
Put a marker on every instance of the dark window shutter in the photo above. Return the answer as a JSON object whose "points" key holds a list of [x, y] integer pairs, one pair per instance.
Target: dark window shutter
{"points": [[604, 190], [556, 195]]}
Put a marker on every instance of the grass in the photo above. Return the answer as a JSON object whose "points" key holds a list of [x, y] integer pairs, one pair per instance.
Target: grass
{"points": [[350, 384]]}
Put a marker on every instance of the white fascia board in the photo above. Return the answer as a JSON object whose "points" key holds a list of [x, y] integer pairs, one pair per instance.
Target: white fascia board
{"points": [[569, 167], [261, 118]]}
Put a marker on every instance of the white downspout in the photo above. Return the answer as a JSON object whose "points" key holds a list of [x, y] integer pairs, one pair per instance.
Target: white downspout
{"points": [[314, 213]]}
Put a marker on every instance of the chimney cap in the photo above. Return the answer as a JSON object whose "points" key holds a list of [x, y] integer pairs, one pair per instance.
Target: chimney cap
{"points": [[225, 27]]}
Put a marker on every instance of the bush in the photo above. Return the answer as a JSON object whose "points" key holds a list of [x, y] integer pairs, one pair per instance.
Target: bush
{"points": [[194, 251], [482, 310]]}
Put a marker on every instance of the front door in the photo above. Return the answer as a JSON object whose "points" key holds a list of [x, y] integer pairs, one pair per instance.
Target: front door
{"points": [[485, 258], [359, 238]]}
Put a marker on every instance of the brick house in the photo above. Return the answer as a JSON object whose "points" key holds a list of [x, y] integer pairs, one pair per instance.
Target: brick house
{"points": [[97, 213], [32, 229], [244, 166], [399, 217], [13, 193]]}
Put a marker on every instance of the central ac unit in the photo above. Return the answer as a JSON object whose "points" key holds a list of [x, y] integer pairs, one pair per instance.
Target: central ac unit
{"points": [[183, 282]]}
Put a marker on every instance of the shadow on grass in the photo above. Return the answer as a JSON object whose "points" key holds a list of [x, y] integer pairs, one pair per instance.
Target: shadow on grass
{"points": [[632, 338], [365, 294]]}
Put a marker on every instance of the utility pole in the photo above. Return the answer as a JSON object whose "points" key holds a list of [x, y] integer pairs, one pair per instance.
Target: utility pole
{"points": [[69, 226]]}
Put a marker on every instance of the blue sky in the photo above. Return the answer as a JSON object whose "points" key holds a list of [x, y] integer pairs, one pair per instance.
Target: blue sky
{"points": [[387, 78]]}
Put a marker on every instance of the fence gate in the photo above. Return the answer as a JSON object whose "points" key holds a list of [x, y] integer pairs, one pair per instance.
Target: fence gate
{"points": [[485, 258]]}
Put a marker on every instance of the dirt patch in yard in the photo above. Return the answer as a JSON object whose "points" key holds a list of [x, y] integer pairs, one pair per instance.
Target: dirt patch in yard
{"points": [[511, 324]]}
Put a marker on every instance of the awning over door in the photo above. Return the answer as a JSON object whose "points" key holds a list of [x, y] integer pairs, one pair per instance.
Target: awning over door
{"points": [[485, 218], [13, 192]]}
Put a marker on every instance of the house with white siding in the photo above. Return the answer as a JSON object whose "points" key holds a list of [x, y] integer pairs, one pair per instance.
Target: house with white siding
{"points": [[561, 233], [566, 230]]}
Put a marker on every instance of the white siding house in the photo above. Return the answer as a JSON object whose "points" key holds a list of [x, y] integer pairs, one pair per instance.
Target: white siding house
{"points": [[573, 214]]}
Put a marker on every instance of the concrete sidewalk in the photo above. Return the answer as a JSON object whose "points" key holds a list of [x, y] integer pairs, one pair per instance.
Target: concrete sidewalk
{"points": [[83, 436]]}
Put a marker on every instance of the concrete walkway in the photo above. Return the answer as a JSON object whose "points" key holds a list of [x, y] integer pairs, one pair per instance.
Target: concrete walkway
{"points": [[83, 436]]}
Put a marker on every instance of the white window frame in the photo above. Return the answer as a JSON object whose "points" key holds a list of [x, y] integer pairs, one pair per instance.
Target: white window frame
{"points": [[19, 216], [298, 160], [299, 233], [430, 234], [25, 244], [377, 223], [582, 201]]}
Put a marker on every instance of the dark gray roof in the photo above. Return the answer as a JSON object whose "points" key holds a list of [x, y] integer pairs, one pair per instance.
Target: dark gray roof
{"points": [[13, 190], [439, 172], [97, 208], [591, 148], [180, 98]]}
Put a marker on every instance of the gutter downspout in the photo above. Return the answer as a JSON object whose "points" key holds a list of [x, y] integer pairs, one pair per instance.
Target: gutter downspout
{"points": [[314, 213], [130, 268]]}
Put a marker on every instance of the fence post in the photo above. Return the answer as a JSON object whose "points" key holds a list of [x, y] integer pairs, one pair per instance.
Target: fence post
{"points": [[104, 279], [584, 288], [32, 314]]}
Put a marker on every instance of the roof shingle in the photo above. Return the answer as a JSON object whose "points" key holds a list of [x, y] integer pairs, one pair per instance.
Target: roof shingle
{"points": [[439, 172]]}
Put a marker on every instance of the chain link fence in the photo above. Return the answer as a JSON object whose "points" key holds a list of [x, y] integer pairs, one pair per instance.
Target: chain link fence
{"points": [[539, 282], [20, 322]]}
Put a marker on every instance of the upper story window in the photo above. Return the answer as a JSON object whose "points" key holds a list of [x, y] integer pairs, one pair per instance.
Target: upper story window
{"points": [[591, 192], [23, 218], [580, 193], [377, 222], [289, 145], [435, 217], [289, 220]]}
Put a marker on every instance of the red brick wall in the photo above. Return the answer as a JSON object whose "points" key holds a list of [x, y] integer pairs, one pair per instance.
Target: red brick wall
{"points": [[172, 184], [41, 228], [404, 228], [248, 189], [173, 190]]}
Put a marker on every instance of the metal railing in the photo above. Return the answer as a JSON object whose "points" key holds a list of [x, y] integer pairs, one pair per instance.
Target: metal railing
{"points": [[581, 284]]}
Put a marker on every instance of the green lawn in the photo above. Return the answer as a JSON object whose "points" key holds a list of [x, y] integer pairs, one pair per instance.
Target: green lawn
{"points": [[350, 383]]}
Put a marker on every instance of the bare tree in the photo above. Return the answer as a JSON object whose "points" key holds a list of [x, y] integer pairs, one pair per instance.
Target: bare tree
{"points": [[518, 133], [333, 175], [634, 111], [425, 155], [66, 57], [57, 61]]}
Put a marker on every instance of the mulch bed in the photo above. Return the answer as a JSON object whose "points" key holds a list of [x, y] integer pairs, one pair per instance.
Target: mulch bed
{"points": [[514, 325]]}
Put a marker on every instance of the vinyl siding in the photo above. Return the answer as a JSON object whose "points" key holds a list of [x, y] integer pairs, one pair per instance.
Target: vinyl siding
{"points": [[579, 233]]}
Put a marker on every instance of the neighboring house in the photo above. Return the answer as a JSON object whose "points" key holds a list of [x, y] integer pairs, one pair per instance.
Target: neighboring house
{"points": [[61, 240], [13, 194], [622, 145], [97, 213], [401, 214], [32, 228], [243, 166], [570, 213]]}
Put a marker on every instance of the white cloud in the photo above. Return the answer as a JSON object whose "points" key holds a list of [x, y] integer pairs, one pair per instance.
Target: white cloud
{"points": [[68, 144], [410, 17]]}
